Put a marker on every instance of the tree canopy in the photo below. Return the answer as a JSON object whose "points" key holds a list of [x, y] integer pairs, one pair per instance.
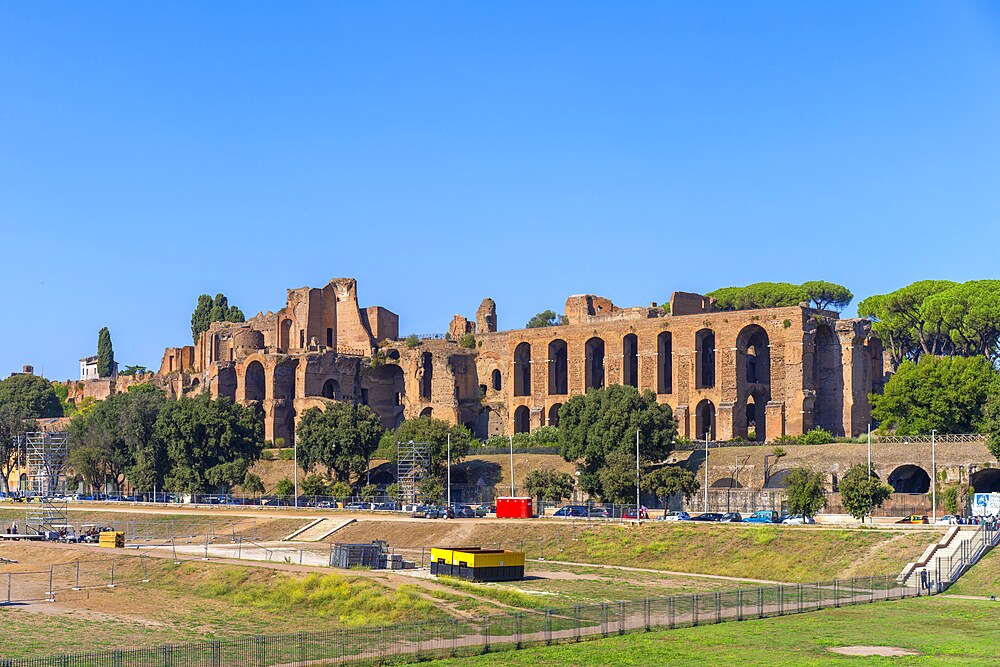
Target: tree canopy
{"points": [[547, 484], [938, 317], [805, 492], [105, 354], [210, 310], [819, 293], [209, 443], [991, 423], [32, 395], [340, 438], [14, 423], [946, 394], [669, 481], [546, 318], [594, 425], [859, 494], [435, 433]]}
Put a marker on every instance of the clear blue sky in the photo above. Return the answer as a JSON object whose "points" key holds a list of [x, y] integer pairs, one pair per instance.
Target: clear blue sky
{"points": [[444, 152]]}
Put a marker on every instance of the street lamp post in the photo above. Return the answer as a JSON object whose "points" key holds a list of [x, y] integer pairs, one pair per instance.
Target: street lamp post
{"points": [[705, 502], [933, 480], [295, 467], [637, 474], [449, 470]]}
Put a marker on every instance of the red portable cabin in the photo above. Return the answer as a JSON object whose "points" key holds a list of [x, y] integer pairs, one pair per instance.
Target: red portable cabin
{"points": [[513, 508]]}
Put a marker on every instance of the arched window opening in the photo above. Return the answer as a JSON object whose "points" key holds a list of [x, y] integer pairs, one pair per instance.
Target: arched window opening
{"points": [[496, 380], [522, 370], [594, 351], [329, 337], [705, 420], [558, 368], [828, 381], [426, 374], [664, 363], [284, 335], [630, 360], [705, 370], [331, 389], [554, 414], [254, 382], [522, 420], [986, 481], [427, 412]]}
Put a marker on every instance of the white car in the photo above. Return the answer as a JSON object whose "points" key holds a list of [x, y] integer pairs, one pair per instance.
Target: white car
{"points": [[675, 516], [798, 519], [947, 519]]}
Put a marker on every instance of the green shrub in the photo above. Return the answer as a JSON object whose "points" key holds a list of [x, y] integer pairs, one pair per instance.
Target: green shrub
{"points": [[412, 341], [286, 454]]}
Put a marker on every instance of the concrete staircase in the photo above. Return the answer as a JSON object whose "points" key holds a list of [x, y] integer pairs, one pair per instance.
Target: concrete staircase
{"points": [[937, 559], [318, 530]]}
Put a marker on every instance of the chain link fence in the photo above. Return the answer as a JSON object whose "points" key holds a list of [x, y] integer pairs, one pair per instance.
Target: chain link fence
{"points": [[454, 637]]}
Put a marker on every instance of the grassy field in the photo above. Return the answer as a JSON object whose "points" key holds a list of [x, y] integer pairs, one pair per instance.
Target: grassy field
{"points": [[196, 600], [983, 579], [944, 631], [776, 553]]}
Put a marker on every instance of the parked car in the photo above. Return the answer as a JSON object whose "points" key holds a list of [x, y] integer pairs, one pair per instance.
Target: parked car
{"points": [[674, 516], [418, 511], [947, 519], [914, 518], [483, 510], [464, 512], [763, 516], [732, 517], [798, 519], [707, 516], [571, 510], [435, 512], [598, 513]]}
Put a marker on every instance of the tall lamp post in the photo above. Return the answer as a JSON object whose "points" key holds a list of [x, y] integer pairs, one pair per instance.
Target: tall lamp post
{"points": [[933, 480], [449, 470], [295, 467], [705, 502], [637, 474]]}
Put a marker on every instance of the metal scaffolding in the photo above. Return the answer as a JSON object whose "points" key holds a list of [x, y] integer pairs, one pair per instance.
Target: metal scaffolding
{"points": [[413, 460], [46, 456]]}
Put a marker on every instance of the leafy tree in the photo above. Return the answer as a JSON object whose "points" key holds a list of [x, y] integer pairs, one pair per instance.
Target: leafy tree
{"points": [[817, 436], [901, 319], [105, 354], [368, 492], [62, 392], [669, 481], [950, 494], [594, 425], [946, 394], [253, 484], [435, 433], [546, 318], [340, 490], [285, 487], [209, 443], [969, 314], [547, 484], [134, 370], [314, 485], [805, 492], [392, 490], [991, 423], [14, 423], [859, 495], [617, 476], [827, 296], [431, 489], [211, 310], [340, 438], [32, 395]]}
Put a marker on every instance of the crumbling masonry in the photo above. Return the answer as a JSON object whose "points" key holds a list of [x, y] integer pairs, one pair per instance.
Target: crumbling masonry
{"points": [[753, 373]]}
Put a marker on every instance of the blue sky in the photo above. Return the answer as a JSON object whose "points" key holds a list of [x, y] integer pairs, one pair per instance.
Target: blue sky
{"points": [[444, 152]]}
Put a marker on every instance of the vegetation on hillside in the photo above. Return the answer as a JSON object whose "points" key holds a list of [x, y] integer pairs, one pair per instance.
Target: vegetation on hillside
{"points": [[818, 293], [211, 310]]}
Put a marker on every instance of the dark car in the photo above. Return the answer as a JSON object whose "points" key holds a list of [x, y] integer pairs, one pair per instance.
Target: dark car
{"points": [[708, 516], [732, 517], [571, 510], [464, 512]]}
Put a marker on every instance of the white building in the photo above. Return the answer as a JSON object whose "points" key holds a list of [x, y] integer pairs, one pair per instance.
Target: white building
{"points": [[88, 368]]}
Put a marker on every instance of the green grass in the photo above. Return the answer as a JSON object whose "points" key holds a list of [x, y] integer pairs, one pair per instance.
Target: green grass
{"points": [[983, 579], [502, 594], [945, 631]]}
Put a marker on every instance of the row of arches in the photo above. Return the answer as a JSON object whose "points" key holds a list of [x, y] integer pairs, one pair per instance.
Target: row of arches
{"points": [[522, 417], [752, 346]]}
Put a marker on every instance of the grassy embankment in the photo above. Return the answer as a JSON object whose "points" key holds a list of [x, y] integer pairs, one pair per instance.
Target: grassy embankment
{"points": [[944, 631], [196, 601], [777, 553], [982, 580]]}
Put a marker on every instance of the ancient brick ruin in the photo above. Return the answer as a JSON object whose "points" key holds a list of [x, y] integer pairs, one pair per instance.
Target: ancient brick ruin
{"points": [[760, 373]]}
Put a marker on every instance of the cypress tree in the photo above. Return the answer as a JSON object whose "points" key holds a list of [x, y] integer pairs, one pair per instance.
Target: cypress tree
{"points": [[105, 354]]}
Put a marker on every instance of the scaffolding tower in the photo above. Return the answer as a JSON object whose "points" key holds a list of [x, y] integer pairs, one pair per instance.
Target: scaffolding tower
{"points": [[413, 461], [46, 456]]}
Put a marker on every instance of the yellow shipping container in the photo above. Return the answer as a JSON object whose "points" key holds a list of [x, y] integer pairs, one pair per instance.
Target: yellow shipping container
{"points": [[477, 557], [111, 539]]}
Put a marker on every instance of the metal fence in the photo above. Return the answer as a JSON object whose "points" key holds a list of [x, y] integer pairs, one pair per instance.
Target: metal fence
{"points": [[429, 639], [44, 585]]}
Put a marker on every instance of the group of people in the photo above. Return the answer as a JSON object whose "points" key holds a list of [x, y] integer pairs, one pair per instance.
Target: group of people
{"points": [[13, 529]]}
